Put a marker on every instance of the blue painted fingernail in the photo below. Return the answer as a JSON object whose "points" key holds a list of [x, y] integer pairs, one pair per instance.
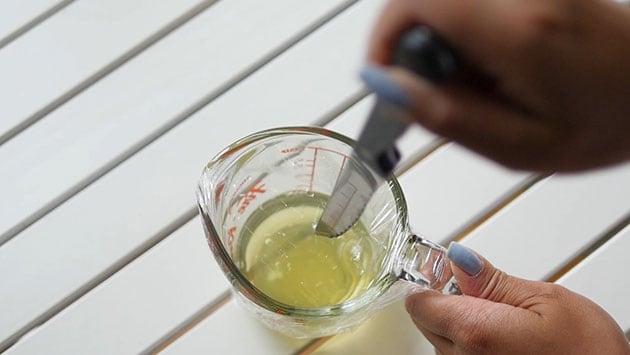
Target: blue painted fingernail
{"points": [[464, 259], [383, 86]]}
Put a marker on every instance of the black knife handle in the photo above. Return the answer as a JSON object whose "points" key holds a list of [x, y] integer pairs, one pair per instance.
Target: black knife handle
{"points": [[425, 53]]}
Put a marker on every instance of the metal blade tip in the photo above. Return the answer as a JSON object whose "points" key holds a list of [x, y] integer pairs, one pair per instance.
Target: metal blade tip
{"points": [[323, 229]]}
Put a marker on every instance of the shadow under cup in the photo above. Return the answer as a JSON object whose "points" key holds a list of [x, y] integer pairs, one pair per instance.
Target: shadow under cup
{"points": [[255, 196]]}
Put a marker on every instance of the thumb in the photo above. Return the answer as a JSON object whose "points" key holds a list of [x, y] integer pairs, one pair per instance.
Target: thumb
{"points": [[495, 305], [477, 277]]}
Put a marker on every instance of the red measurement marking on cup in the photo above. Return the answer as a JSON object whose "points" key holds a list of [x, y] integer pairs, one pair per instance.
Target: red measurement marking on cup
{"points": [[309, 172], [299, 163], [307, 166], [291, 150], [218, 191], [281, 311], [236, 190], [257, 189], [231, 232]]}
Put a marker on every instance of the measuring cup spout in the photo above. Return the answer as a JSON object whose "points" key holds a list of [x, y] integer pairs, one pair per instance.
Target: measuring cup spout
{"points": [[426, 264]]}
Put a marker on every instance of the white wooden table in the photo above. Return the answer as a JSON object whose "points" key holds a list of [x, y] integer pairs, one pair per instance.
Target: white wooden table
{"points": [[110, 109]]}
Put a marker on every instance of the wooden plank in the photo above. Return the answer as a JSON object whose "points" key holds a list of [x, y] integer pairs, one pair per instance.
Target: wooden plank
{"points": [[233, 331], [75, 47], [168, 289], [391, 331], [126, 110], [106, 225], [453, 188], [603, 277], [550, 224], [168, 293], [16, 17], [136, 306]]}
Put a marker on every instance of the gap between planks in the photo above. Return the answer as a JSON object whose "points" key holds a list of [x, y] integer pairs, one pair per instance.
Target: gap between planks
{"points": [[197, 106], [312, 346], [190, 323], [191, 213], [104, 71], [225, 297], [600, 241], [98, 279], [34, 22]]}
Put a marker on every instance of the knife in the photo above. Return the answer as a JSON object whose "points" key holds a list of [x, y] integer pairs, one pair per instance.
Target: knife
{"points": [[426, 54]]}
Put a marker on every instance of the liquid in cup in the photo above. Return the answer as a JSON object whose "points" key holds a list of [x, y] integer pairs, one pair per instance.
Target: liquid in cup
{"points": [[281, 256], [260, 200]]}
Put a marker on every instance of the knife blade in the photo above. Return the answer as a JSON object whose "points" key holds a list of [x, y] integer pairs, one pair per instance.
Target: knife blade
{"points": [[375, 155]]}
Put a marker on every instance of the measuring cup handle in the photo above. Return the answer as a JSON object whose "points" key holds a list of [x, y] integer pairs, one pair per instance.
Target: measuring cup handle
{"points": [[426, 264]]}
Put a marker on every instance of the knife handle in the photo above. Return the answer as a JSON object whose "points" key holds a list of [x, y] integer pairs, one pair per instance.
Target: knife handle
{"points": [[425, 53]]}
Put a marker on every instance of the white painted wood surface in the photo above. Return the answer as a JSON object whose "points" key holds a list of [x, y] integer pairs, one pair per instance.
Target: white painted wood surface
{"points": [[125, 110], [180, 297], [553, 222], [16, 16], [603, 277], [136, 214], [453, 188], [108, 256], [145, 301], [47, 63], [233, 331]]}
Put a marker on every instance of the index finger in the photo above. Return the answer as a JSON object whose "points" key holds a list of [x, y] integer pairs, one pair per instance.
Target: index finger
{"points": [[462, 318]]}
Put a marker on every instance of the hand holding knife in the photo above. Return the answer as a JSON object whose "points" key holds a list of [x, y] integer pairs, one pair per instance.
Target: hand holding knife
{"points": [[423, 52]]}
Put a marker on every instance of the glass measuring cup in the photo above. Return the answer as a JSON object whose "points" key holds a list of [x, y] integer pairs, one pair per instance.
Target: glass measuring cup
{"points": [[294, 281]]}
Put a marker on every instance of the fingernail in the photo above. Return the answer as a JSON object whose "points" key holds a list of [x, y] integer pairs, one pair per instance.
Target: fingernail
{"points": [[464, 258], [383, 86]]}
